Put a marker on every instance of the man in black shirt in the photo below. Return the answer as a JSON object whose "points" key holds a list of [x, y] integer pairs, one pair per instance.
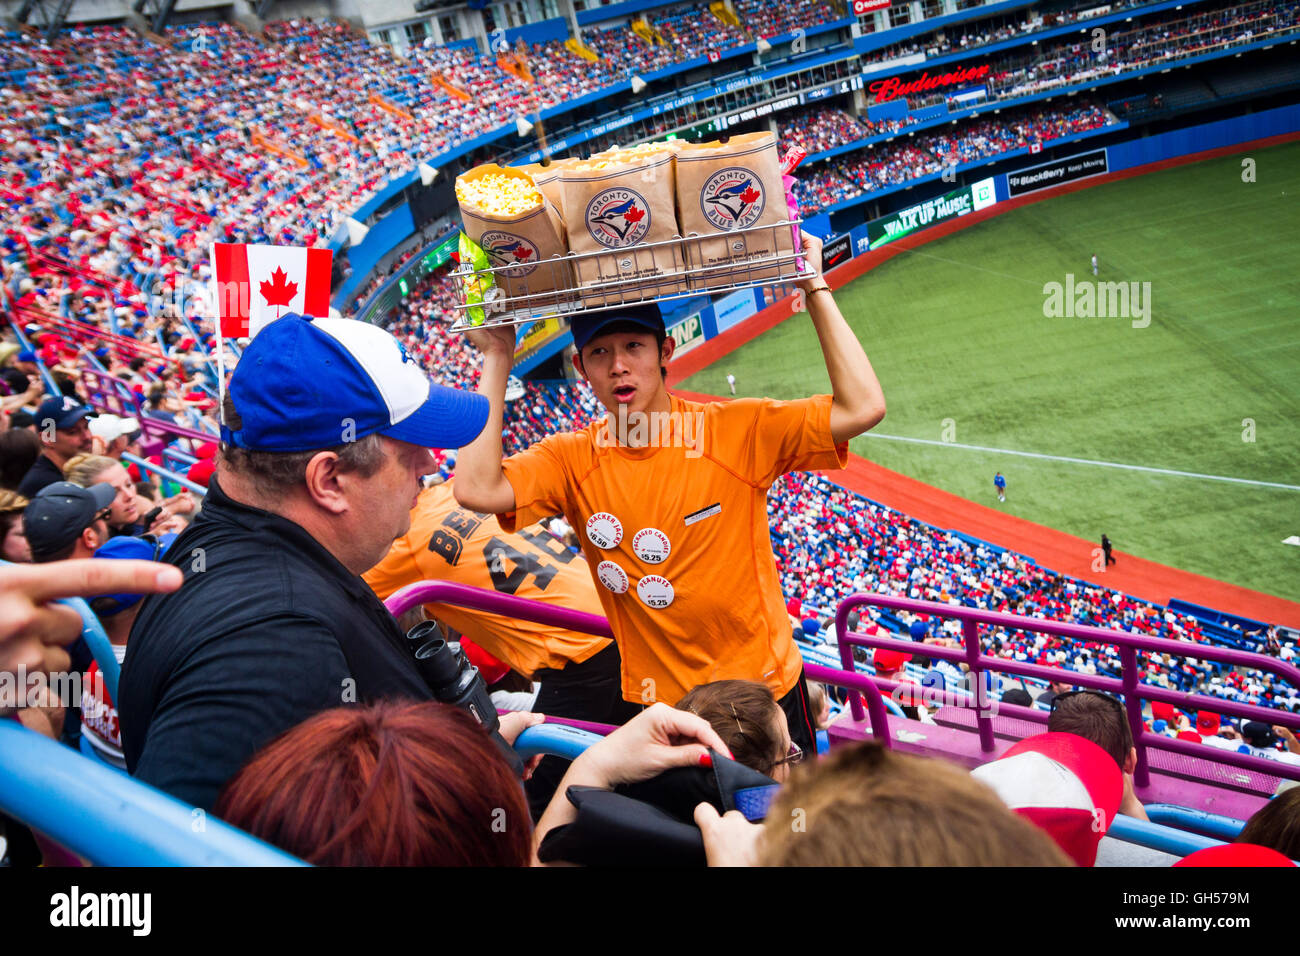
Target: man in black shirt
{"points": [[326, 436], [64, 432]]}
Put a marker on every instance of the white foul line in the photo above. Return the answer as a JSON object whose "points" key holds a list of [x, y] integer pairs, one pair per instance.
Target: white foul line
{"points": [[1088, 461]]}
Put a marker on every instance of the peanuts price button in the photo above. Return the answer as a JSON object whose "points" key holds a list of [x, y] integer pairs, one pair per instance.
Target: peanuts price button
{"points": [[655, 591]]}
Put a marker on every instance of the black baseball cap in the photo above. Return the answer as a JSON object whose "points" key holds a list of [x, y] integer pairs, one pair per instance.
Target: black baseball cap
{"points": [[1257, 733], [64, 410], [587, 326], [60, 512]]}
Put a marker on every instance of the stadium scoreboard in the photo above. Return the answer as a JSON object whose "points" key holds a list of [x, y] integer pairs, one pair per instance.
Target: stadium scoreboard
{"points": [[394, 291]]}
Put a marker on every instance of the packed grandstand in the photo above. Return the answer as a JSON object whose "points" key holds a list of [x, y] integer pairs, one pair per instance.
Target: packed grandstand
{"points": [[132, 147]]}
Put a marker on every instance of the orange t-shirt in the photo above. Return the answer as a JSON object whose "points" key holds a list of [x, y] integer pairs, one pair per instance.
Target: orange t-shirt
{"points": [[448, 543], [677, 536]]}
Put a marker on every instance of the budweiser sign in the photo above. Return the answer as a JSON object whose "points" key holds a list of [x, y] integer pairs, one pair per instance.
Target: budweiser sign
{"points": [[861, 7], [893, 87]]}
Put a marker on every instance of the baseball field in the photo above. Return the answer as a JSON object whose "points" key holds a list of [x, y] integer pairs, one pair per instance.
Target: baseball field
{"points": [[1165, 412]]}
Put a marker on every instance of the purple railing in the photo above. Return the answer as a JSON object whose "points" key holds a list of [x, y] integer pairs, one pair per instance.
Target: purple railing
{"points": [[494, 602], [1133, 692], [480, 599], [1128, 686], [109, 394]]}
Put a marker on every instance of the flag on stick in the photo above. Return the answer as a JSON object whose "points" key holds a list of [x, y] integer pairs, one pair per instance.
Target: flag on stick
{"points": [[259, 284]]}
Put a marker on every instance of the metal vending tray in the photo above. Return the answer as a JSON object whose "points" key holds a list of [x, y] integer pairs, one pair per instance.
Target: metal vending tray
{"points": [[677, 268]]}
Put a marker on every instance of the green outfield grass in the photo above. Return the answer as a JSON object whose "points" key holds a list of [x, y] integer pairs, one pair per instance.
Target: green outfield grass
{"points": [[956, 330]]}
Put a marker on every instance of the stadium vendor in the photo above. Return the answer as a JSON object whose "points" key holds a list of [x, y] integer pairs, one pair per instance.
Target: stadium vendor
{"points": [[669, 497]]}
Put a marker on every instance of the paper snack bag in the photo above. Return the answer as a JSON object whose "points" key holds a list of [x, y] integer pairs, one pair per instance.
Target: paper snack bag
{"points": [[547, 179], [725, 187], [615, 205], [504, 211]]}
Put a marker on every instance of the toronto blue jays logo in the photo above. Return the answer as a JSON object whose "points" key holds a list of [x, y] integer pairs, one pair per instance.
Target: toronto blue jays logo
{"points": [[618, 217], [732, 198], [505, 249]]}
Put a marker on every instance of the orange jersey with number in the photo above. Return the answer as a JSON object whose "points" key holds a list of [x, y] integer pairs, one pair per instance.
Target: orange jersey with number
{"points": [[676, 535], [448, 543]]}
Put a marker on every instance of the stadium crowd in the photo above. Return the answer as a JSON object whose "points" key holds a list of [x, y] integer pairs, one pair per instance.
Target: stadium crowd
{"points": [[978, 33], [1153, 43], [818, 130], [829, 542], [894, 163], [124, 149]]}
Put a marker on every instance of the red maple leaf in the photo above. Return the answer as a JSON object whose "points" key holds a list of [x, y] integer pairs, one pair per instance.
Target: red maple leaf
{"points": [[279, 291], [749, 195], [522, 253], [634, 215]]}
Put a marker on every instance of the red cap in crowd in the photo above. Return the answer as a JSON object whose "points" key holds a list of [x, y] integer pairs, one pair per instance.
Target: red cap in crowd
{"points": [[201, 471], [888, 660]]}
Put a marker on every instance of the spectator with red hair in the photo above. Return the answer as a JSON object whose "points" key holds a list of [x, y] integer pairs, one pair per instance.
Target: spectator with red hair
{"points": [[391, 784]]}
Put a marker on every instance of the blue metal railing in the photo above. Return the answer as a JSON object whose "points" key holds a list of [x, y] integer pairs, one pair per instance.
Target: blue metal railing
{"points": [[1197, 821], [166, 473], [1155, 836], [110, 819]]}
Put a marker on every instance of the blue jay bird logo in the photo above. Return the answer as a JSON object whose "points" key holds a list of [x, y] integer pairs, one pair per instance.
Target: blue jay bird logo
{"points": [[505, 249], [618, 218], [732, 198]]}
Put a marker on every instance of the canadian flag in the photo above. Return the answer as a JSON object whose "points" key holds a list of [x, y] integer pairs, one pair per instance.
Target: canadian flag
{"points": [[259, 284], [1035, 148]]}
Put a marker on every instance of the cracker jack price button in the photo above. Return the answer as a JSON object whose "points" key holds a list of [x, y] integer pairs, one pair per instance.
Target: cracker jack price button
{"points": [[655, 591], [612, 576], [604, 530], [651, 545]]}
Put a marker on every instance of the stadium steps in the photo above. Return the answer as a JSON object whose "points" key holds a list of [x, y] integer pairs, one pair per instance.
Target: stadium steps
{"points": [[1174, 776], [1193, 782]]}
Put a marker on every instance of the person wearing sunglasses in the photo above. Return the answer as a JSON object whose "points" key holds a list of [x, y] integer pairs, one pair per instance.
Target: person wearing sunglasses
{"points": [[1100, 718], [67, 521]]}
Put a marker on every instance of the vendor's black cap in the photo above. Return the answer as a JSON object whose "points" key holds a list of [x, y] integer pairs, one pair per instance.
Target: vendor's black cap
{"points": [[587, 326]]}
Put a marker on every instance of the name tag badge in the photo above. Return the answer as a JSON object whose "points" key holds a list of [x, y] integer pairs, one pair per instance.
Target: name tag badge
{"points": [[709, 512]]}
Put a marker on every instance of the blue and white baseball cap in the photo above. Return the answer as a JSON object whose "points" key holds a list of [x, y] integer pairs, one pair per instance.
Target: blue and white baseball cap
{"points": [[304, 384]]}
